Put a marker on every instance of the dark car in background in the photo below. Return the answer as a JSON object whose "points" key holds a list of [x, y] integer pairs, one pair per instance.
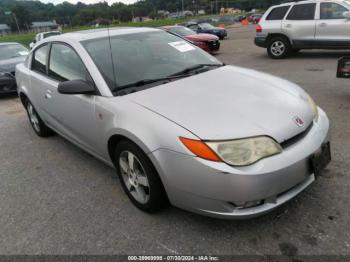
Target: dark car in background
{"points": [[11, 54], [208, 29], [207, 42]]}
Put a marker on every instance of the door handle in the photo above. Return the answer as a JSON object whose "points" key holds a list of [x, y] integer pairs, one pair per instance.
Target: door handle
{"points": [[48, 94], [288, 25], [323, 24]]}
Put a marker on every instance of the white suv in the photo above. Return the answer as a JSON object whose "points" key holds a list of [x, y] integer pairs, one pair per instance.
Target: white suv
{"points": [[313, 24]]}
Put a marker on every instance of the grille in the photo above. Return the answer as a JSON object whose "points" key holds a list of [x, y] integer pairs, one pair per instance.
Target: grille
{"points": [[297, 138], [214, 45]]}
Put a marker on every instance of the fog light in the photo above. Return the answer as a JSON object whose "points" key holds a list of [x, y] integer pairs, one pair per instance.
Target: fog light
{"points": [[250, 204]]}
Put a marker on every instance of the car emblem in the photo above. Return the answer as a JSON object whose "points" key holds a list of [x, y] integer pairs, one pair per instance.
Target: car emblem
{"points": [[299, 121]]}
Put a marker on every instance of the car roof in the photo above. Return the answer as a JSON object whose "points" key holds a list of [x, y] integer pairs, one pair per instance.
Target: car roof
{"points": [[9, 43], [308, 1], [171, 26], [100, 33]]}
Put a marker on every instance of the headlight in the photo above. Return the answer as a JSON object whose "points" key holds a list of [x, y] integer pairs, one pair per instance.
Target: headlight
{"points": [[247, 151], [2, 74], [313, 107]]}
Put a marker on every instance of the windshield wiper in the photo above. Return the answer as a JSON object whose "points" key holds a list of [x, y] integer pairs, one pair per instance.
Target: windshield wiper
{"points": [[196, 67], [181, 74], [148, 81]]}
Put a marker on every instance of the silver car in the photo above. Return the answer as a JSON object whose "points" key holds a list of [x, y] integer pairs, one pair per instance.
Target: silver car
{"points": [[178, 125], [311, 24]]}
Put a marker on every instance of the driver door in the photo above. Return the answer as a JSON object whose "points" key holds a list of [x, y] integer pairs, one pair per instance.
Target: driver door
{"points": [[72, 115], [332, 25]]}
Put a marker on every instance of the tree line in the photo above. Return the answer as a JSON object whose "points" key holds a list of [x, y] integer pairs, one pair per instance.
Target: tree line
{"points": [[27, 11]]}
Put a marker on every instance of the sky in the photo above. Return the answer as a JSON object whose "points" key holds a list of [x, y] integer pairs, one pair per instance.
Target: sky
{"points": [[88, 1]]}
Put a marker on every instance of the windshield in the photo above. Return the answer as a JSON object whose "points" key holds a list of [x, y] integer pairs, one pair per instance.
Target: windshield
{"points": [[207, 26], [182, 31], [12, 51], [143, 56], [46, 35]]}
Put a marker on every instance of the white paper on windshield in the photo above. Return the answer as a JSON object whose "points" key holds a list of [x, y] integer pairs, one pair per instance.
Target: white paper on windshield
{"points": [[182, 46], [23, 53]]}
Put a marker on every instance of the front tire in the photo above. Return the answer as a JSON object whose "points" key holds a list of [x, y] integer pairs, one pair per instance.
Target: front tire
{"points": [[37, 124], [139, 178], [278, 48]]}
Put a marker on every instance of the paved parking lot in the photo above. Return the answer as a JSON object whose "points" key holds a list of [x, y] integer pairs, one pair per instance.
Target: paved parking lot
{"points": [[56, 199]]}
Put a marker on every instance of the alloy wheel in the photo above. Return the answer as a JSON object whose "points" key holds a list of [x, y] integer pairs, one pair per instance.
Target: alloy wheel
{"points": [[278, 48], [33, 117], [134, 177]]}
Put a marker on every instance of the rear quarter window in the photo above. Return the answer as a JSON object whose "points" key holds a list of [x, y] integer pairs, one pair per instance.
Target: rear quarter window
{"points": [[39, 61], [278, 13]]}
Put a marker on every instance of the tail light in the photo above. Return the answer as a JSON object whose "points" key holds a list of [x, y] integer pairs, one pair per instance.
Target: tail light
{"points": [[259, 29]]}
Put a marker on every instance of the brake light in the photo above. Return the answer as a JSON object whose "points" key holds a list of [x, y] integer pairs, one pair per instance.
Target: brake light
{"points": [[259, 29]]}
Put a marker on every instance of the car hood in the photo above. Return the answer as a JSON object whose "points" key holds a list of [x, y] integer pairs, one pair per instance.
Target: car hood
{"points": [[202, 37], [9, 65], [229, 103]]}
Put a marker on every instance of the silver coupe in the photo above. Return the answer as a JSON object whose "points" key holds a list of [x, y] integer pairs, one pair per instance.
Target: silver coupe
{"points": [[179, 126]]}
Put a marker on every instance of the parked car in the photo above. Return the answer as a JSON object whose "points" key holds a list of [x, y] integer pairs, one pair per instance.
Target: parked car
{"points": [[226, 20], [240, 18], [207, 42], [11, 54], [312, 24], [343, 67], [42, 36], [177, 124], [207, 28], [252, 18], [256, 18]]}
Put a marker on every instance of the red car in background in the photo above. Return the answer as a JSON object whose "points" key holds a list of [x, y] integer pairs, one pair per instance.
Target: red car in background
{"points": [[255, 19], [207, 42]]}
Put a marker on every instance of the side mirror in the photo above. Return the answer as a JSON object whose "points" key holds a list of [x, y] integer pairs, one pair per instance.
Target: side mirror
{"points": [[76, 87], [343, 67], [34, 40], [347, 14]]}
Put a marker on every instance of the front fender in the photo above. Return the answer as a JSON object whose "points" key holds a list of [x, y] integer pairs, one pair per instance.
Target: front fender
{"points": [[147, 129]]}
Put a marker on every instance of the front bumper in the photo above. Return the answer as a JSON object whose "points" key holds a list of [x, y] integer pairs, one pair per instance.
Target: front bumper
{"points": [[7, 85], [214, 189], [261, 41]]}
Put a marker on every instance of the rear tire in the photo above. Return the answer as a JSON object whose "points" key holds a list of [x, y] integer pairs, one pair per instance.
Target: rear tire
{"points": [[37, 124], [139, 178], [278, 48]]}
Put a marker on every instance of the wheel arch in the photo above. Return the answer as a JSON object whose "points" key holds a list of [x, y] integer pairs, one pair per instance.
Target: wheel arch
{"points": [[117, 137], [274, 35], [23, 97], [120, 135]]}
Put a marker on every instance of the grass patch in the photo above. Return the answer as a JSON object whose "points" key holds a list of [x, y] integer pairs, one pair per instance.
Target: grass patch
{"points": [[26, 38]]}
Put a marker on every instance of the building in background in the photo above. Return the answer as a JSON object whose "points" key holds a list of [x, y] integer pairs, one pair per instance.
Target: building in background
{"points": [[44, 26], [4, 29]]}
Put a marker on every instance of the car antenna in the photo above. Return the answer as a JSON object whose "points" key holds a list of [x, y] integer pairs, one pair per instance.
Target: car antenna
{"points": [[110, 49]]}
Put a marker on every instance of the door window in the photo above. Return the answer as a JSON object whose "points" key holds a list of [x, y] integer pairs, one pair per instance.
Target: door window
{"points": [[332, 11], [65, 64], [302, 12], [40, 59], [278, 13]]}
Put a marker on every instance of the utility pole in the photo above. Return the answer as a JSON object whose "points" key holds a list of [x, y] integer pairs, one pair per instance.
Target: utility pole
{"points": [[15, 18], [183, 7]]}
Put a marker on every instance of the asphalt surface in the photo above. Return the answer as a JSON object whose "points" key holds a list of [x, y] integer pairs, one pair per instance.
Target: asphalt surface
{"points": [[56, 199]]}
